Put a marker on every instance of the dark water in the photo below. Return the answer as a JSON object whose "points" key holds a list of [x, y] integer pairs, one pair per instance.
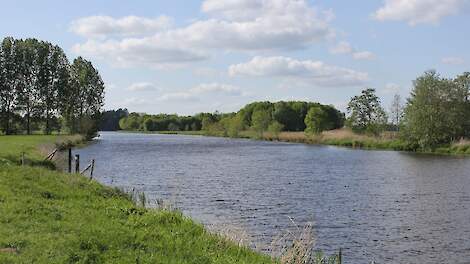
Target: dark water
{"points": [[381, 206]]}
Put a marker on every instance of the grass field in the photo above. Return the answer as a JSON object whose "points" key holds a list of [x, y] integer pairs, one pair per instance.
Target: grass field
{"points": [[52, 217], [35, 147]]}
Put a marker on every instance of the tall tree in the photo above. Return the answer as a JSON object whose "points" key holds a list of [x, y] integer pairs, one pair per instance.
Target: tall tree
{"points": [[435, 112], [463, 86], [89, 94], [366, 112], [9, 82], [396, 111], [28, 92], [261, 120], [317, 121]]}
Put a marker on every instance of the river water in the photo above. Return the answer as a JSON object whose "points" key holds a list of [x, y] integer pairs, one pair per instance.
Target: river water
{"points": [[382, 206]]}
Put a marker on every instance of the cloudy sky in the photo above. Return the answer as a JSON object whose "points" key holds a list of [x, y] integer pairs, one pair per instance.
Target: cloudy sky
{"points": [[185, 56]]}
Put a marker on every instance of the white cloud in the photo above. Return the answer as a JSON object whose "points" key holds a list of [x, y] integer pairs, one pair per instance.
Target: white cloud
{"points": [[418, 11], [106, 26], [363, 55], [233, 9], [195, 93], [178, 96], [342, 47], [453, 60], [139, 51], [134, 101], [345, 47], [255, 25], [142, 87], [206, 72], [232, 26], [216, 88], [315, 72]]}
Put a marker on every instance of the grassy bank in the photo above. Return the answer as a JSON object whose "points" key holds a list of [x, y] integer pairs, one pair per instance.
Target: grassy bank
{"points": [[51, 217], [35, 147]]}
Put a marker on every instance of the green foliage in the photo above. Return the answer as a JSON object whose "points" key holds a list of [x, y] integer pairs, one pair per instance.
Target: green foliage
{"points": [[232, 125], [366, 113], [437, 112], [110, 119], [317, 121], [275, 128], [160, 122], [287, 116], [290, 114], [260, 120], [40, 89], [257, 115]]}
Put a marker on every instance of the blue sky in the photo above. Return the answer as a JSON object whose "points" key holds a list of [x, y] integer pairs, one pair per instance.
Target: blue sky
{"points": [[192, 56]]}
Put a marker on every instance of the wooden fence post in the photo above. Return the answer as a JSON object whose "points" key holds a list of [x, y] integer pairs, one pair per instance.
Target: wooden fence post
{"points": [[77, 163], [70, 160], [92, 168], [340, 256]]}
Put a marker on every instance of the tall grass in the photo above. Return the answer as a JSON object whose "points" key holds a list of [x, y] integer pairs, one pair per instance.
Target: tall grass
{"points": [[297, 247], [345, 138]]}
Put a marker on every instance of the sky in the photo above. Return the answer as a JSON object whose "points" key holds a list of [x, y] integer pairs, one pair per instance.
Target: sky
{"points": [[186, 57]]}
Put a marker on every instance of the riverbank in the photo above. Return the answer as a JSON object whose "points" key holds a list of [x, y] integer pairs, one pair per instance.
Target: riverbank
{"points": [[52, 217], [341, 138]]}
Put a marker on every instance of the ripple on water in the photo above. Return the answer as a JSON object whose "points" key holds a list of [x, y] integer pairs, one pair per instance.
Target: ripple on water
{"points": [[385, 206]]}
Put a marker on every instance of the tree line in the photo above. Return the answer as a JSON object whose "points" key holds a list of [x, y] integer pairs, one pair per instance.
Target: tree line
{"points": [[40, 90], [257, 116]]}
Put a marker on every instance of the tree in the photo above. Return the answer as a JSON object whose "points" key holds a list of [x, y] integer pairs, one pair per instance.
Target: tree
{"points": [[53, 77], [396, 111], [9, 82], [86, 99], [436, 112], [28, 96], [38, 86], [110, 119], [366, 113], [317, 121], [260, 121], [285, 115], [463, 85], [234, 125], [275, 128]]}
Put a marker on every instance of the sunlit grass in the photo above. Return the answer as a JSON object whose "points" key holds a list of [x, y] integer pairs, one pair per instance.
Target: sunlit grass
{"points": [[35, 147]]}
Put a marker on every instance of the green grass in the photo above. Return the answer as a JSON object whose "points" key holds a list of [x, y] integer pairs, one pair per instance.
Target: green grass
{"points": [[34, 146], [52, 217]]}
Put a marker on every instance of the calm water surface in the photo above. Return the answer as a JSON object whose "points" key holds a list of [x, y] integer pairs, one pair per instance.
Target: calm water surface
{"points": [[382, 206]]}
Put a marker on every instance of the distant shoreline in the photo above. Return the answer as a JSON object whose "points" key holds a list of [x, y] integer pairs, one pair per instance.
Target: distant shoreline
{"points": [[339, 138]]}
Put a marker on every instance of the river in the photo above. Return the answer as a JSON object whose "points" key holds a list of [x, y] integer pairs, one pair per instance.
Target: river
{"points": [[382, 206]]}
